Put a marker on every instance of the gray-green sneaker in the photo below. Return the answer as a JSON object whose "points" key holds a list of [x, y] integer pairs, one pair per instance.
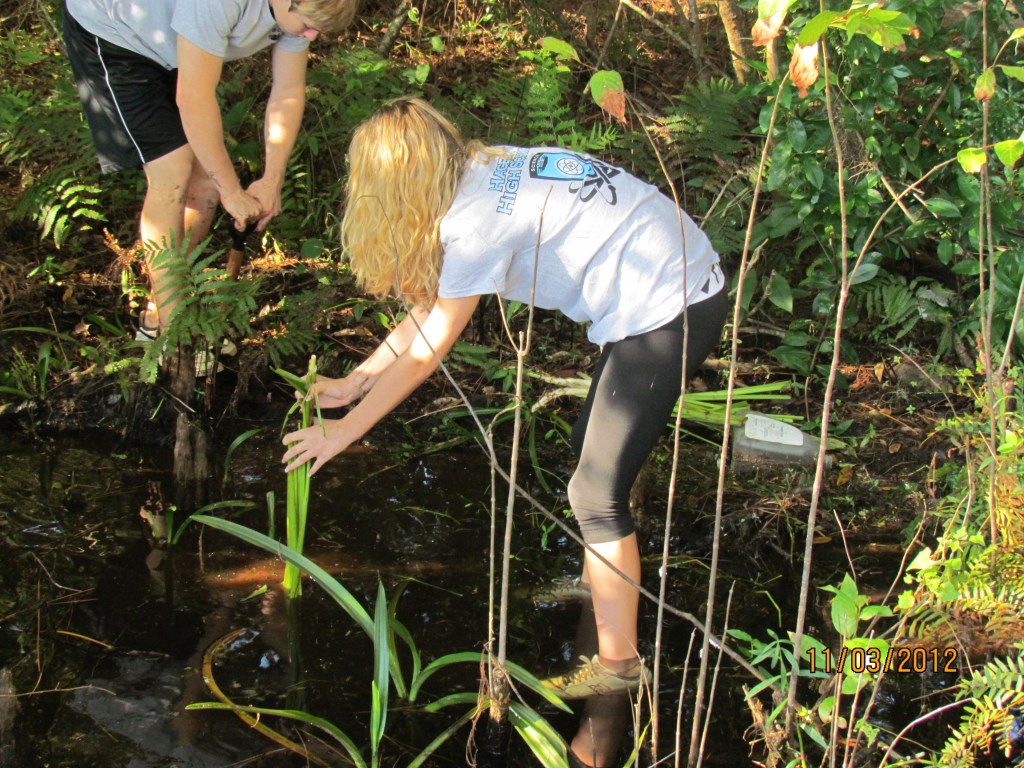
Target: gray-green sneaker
{"points": [[593, 678]]}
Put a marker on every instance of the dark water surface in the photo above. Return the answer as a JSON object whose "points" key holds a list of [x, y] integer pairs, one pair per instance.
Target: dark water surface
{"points": [[105, 627]]}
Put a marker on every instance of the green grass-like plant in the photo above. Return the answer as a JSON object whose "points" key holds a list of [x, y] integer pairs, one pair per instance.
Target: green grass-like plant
{"points": [[382, 629], [297, 502]]}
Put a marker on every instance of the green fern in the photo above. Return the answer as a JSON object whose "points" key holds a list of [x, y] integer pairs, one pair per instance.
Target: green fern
{"points": [[537, 106], [706, 151], [892, 303], [209, 306], [708, 127], [970, 607], [996, 691], [291, 328]]}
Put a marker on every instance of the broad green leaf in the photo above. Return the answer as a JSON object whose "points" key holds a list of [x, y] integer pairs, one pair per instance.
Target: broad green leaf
{"points": [[886, 28], [845, 607], [972, 159], [609, 93], [854, 681], [311, 249], [1017, 34], [766, 8], [1017, 73], [780, 293], [825, 707], [906, 601], [560, 48], [985, 85], [945, 250], [797, 135], [816, 27], [943, 208], [870, 611], [1009, 151], [865, 272]]}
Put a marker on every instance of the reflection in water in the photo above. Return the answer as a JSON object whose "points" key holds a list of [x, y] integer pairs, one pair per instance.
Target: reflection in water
{"points": [[604, 720], [76, 557]]}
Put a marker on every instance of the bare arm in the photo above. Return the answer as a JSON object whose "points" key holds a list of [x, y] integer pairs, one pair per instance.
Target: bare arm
{"points": [[395, 383], [334, 393], [198, 75], [281, 127]]}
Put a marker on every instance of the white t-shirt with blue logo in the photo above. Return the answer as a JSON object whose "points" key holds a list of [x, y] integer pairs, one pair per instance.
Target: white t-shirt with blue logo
{"points": [[613, 250], [228, 29]]}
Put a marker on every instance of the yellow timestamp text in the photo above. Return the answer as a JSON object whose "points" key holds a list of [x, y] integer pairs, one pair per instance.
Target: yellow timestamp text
{"points": [[874, 660]]}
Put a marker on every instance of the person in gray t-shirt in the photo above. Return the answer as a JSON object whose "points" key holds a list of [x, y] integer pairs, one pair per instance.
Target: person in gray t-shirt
{"points": [[147, 73]]}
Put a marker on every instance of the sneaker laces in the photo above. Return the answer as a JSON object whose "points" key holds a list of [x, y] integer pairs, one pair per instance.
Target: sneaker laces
{"points": [[593, 667]]}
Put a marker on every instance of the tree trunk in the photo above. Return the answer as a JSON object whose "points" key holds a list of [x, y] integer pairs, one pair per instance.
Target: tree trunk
{"points": [[737, 30], [191, 463]]}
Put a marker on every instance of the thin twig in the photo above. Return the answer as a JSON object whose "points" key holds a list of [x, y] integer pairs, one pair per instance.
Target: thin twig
{"points": [[819, 471], [734, 354], [714, 679], [922, 719], [660, 25]]}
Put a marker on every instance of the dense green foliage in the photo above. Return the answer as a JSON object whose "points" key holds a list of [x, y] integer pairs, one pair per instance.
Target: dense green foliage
{"points": [[902, 163]]}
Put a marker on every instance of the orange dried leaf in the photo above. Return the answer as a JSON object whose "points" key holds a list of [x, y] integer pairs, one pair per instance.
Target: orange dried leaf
{"points": [[803, 69], [845, 475], [767, 29], [614, 103]]}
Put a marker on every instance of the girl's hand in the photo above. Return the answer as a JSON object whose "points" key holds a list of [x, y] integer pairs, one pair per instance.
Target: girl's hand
{"points": [[319, 444], [335, 393]]}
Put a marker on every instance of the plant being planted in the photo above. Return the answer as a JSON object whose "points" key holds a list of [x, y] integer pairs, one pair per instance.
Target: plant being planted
{"points": [[297, 502]]}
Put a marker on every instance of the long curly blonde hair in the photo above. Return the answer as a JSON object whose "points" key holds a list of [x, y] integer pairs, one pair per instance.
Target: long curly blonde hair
{"points": [[404, 167]]}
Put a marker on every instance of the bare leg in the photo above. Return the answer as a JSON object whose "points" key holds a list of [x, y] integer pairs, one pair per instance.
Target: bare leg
{"points": [[605, 719], [200, 204], [162, 221], [180, 199], [615, 601]]}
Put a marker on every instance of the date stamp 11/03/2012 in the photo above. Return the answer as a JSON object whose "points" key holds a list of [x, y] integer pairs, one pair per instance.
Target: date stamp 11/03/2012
{"points": [[874, 660]]}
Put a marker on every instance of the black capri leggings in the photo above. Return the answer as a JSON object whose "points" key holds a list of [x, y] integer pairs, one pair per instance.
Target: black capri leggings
{"points": [[635, 386]]}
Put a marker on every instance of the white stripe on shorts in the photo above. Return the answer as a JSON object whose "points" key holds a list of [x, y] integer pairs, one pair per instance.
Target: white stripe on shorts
{"points": [[113, 96]]}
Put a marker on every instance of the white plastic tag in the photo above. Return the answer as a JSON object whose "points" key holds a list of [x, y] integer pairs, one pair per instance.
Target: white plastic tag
{"points": [[767, 429]]}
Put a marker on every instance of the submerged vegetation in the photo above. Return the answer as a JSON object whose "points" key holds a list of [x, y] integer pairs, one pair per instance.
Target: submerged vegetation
{"points": [[868, 205]]}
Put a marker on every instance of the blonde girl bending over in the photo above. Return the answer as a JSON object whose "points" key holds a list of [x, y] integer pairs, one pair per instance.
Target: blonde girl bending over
{"points": [[438, 222]]}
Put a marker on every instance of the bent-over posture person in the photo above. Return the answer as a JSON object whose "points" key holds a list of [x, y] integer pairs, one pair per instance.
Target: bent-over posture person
{"points": [[147, 73], [438, 222]]}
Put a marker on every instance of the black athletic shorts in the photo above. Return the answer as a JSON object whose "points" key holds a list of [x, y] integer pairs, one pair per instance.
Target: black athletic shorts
{"points": [[129, 100]]}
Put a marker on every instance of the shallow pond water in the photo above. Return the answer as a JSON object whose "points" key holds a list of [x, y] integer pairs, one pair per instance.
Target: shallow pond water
{"points": [[105, 627]]}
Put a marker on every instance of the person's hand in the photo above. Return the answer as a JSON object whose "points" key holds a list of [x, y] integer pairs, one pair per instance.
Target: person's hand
{"points": [[268, 194], [242, 207], [335, 393], [319, 444]]}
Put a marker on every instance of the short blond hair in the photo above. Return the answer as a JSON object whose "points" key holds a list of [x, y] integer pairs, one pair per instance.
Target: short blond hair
{"points": [[327, 15], [404, 168]]}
